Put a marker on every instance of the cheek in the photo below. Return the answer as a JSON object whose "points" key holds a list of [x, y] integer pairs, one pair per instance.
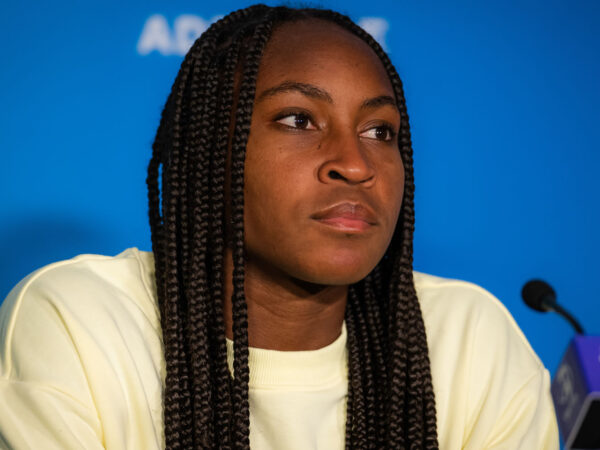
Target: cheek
{"points": [[269, 184], [272, 200], [393, 187], [276, 175]]}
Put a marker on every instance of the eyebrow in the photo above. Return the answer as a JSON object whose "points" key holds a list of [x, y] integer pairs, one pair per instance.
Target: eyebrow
{"points": [[312, 91], [376, 102], [308, 90]]}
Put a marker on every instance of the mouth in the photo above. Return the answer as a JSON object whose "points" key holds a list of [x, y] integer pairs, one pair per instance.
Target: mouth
{"points": [[347, 217]]}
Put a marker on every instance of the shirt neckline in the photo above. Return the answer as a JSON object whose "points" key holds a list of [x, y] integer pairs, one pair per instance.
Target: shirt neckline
{"points": [[307, 368]]}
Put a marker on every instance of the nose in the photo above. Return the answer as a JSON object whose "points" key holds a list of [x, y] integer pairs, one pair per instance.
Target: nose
{"points": [[346, 162]]}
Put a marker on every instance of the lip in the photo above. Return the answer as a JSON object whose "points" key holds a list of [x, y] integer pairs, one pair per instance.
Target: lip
{"points": [[347, 216]]}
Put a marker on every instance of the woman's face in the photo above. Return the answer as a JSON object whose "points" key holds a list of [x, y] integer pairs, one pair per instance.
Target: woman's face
{"points": [[323, 176]]}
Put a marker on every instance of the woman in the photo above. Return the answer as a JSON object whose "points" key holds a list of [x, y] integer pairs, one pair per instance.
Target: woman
{"points": [[281, 208]]}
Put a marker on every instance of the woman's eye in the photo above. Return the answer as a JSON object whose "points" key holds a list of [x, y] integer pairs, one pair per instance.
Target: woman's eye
{"points": [[297, 120], [380, 133]]}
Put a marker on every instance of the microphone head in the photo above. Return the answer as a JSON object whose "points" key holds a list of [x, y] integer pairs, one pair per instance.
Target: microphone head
{"points": [[538, 295]]}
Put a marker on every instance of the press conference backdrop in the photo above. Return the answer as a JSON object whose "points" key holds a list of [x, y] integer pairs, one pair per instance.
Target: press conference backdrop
{"points": [[504, 105]]}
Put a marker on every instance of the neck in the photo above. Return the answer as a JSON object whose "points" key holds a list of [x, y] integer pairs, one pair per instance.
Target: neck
{"points": [[285, 313]]}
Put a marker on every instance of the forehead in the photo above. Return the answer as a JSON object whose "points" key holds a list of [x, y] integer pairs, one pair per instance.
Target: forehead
{"points": [[322, 49]]}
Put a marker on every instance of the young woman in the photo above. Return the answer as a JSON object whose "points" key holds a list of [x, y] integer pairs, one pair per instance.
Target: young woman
{"points": [[279, 309]]}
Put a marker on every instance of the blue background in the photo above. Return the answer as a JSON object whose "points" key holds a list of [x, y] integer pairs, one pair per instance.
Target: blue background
{"points": [[504, 103]]}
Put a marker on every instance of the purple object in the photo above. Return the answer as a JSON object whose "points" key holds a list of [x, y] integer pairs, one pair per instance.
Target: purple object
{"points": [[576, 393]]}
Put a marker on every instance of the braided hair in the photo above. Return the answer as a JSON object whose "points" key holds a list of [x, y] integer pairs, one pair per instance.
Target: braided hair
{"points": [[197, 166]]}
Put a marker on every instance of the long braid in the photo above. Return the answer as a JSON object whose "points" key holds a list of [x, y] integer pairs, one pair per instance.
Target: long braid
{"points": [[356, 429], [199, 312], [222, 392], [177, 416], [240, 314], [390, 399], [378, 350], [374, 353], [361, 377]]}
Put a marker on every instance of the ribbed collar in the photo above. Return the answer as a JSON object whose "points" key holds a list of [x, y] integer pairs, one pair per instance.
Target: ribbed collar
{"points": [[310, 368]]}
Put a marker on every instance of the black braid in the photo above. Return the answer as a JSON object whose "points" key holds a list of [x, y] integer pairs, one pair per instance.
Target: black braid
{"points": [[390, 396], [218, 241], [240, 314]]}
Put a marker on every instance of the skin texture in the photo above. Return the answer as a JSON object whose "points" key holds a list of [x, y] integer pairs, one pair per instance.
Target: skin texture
{"points": [[323, 183]]}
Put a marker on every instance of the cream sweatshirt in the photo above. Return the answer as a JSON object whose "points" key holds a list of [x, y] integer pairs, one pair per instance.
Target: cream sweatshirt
{"points": [[82, 367]]}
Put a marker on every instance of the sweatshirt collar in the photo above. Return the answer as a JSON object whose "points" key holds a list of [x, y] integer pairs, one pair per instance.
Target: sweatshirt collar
{"points": [[309, 368]]}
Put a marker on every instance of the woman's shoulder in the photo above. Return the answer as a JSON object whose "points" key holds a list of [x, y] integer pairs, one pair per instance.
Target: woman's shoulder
{"points": [[85, 292], [81, 338], [84, 277], [449, 302], [487, 379], [460, 311], [442, 292], [113, 269]]}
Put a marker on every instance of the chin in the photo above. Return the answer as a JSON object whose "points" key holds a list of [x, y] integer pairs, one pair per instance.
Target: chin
{"points": [[338, 271]]}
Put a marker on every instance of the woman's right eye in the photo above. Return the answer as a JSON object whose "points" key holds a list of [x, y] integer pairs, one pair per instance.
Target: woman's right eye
{"points": [[299, 121]]}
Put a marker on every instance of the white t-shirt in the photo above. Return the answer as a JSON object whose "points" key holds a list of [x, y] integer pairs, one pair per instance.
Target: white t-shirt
{"points": [[82, 367]]}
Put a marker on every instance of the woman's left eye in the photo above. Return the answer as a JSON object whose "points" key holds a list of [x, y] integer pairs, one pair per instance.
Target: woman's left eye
{"points": [[380, 133], [297, 120]]}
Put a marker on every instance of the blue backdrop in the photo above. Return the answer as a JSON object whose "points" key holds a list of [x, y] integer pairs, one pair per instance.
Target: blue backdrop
{"points": [[504, 103]]}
